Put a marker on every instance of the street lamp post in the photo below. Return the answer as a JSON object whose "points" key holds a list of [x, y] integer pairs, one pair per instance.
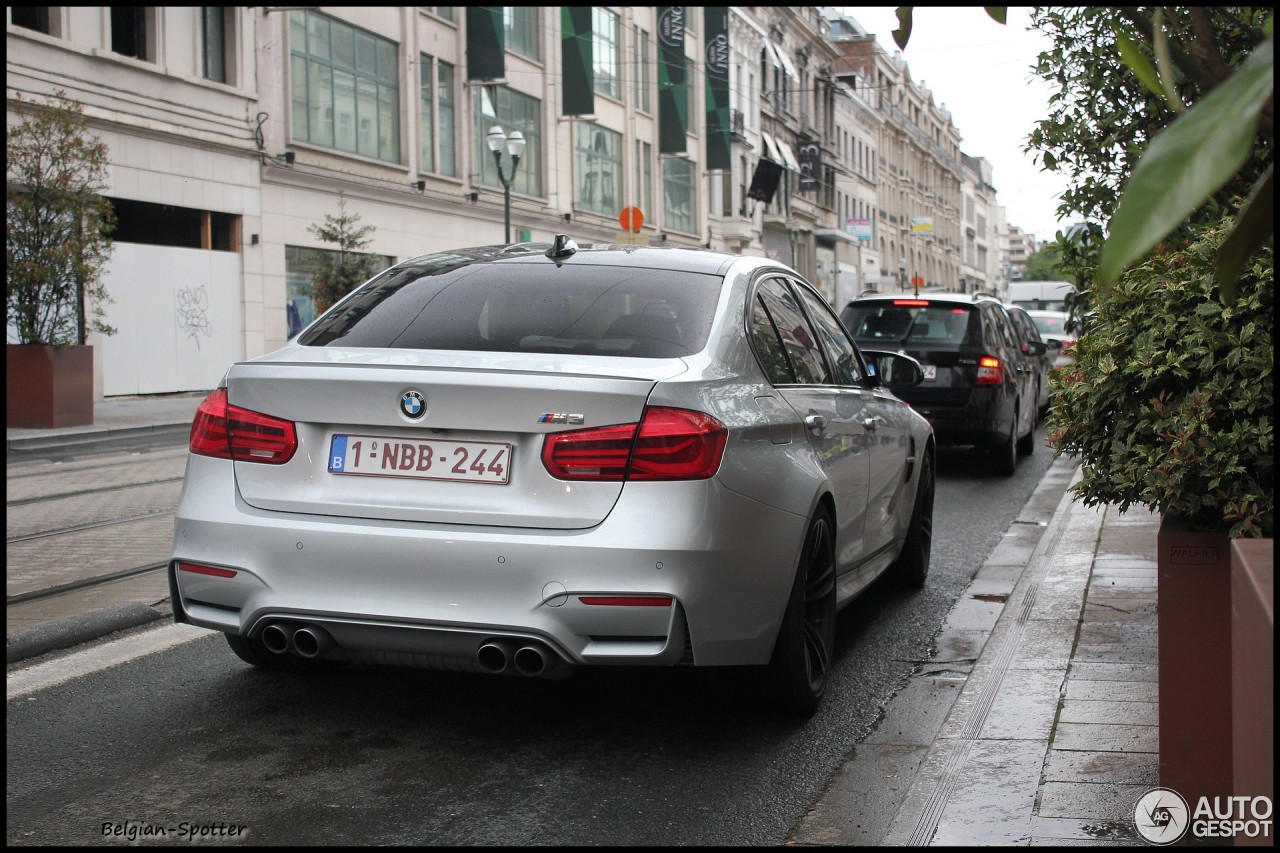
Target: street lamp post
{"points": [[514, 144]]}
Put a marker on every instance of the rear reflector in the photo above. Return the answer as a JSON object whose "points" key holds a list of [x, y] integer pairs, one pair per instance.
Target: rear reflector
{"points": [[625, 600], [230, 432], [667, 444], [197, 569]]}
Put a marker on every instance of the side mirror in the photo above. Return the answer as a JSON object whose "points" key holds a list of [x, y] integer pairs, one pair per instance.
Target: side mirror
{"points": [[1038, 347], [1054, 346], [893, 370]]}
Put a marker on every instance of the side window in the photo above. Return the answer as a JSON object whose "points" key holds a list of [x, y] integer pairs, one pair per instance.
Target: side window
{"points": [[769, 350], [998, 329], [839, 347], [795, 332]]}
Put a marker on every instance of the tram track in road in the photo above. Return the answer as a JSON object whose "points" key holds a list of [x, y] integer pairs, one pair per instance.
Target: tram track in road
{"points": [[90, 532]]}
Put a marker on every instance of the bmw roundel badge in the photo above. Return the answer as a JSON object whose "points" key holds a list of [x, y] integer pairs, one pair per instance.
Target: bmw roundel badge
{"points": [[413, 404]]}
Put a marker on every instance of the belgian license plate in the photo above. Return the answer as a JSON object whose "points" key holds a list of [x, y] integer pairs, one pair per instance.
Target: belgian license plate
{"points": [[419, 458], [930, 371]]}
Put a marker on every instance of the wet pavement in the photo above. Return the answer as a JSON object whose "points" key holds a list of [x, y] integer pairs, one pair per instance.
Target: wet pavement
{"points": [[1033, 723]]}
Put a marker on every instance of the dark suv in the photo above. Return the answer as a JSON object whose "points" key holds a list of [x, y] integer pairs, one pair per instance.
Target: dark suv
{"points": [[979, 387]]}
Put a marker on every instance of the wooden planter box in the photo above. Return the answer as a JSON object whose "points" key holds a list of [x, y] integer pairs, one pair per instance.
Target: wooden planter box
{"points": [[1194, 625], [48, 387], [1253, 667]]}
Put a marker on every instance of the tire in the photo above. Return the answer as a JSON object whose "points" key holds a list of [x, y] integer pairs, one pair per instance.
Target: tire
{"points": [[1027, 444], [801, 663], [912, 566], [1004, 456]]}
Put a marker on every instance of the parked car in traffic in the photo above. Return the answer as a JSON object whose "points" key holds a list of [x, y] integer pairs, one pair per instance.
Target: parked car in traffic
{"points": [[978, 389], [527, 459], [1036, 351], [1058, 331]]}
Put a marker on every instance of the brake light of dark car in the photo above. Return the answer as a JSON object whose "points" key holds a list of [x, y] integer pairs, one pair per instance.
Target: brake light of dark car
{"points": [[989, 372], [230, 432], [920, 303], [667, 444]]}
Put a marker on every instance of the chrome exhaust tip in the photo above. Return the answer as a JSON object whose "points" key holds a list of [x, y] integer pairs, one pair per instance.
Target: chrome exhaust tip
{"points": [[493, 657], [310, 641], [275, 638], [531, 661]]}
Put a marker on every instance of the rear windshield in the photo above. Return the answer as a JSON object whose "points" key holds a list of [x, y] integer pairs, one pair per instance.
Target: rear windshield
{"points": [[1050, 325], [932, 323], [527, 307]]}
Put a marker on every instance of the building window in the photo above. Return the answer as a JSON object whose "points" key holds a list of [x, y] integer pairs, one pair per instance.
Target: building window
{"points": [[644, 177], [345, 83], [42, 19], [598, 168], [498, 105], [604, 36], [445, 12], [678, 199], [218, 43], [521, 25], [300, 264], [436, 114], [643, 78], [132, 32]]}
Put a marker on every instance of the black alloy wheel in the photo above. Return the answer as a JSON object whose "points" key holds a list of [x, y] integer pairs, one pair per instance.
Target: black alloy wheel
{"points": [[801, 663]]}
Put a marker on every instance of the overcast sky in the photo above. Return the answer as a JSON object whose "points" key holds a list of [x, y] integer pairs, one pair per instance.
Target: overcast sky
{"points": [[981, 71]]}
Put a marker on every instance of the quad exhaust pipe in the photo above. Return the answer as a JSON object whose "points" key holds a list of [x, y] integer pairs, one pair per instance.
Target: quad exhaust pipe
{"points": [[306, 641], [503, 656]]}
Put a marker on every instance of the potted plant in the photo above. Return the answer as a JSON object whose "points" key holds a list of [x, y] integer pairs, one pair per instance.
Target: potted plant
{"points": [[56, 243], [1169, 405]]}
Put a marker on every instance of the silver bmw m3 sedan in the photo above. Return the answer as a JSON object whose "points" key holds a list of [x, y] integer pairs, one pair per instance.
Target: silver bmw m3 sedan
{"points": [[527, 459]]}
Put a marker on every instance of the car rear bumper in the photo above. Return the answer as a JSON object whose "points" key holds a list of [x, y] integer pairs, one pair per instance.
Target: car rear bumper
{"points": [[953, 429], [433, 594]]}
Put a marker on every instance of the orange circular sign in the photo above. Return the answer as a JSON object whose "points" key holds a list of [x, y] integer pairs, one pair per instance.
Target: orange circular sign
{"points": [[631, 219]]}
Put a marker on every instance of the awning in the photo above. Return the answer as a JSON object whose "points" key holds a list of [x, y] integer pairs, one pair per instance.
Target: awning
{"points": [[786, 62], [771, 149], [788, 156]]}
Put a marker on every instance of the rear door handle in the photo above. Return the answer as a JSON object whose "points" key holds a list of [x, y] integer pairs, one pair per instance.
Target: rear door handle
{"points": [[870, 424], [816, 424]]}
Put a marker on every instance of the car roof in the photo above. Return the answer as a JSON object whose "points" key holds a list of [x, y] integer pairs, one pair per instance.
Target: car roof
{"points": [[689, 258], [958, 298]]}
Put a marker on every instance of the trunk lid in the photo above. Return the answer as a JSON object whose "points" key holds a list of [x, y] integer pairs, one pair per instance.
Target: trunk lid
{"points": [[473, 456]]}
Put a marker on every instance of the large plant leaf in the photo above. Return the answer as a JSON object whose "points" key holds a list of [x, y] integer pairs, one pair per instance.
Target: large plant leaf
{"points": [[1137, 62], [1254, 226], [1188, 161]]}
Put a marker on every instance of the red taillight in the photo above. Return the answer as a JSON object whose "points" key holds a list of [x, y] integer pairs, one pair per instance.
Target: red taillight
{"points": [[921, 303], [667, 444], [229, 432], [197, 569], [989, 372]]}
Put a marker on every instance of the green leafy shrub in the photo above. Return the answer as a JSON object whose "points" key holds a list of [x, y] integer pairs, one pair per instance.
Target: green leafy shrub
{"points": [[1169, 403]]}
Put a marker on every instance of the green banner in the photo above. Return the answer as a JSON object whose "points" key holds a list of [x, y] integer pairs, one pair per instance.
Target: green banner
{"points": [[673, 84], [718, 130], [577, 59], [486, 50]]}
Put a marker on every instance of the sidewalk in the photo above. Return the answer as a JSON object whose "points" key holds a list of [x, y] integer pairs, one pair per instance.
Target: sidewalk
{"points": [[1034, 723]]}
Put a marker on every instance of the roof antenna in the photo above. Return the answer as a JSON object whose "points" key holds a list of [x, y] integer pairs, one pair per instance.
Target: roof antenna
{"points": [[561, 247]]}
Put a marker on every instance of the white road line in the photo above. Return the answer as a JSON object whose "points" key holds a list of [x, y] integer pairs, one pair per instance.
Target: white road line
{"points": [[52, 673]]}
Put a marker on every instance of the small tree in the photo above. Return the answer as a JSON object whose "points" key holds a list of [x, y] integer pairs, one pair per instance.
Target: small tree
{"points": [[57, 225], [338, 273]]}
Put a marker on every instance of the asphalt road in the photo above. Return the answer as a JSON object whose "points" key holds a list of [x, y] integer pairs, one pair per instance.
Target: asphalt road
{"points": [[190, 735]]}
